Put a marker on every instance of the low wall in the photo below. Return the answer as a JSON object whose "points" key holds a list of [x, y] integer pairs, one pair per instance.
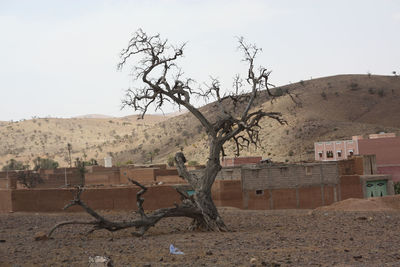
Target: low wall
{"points": [[170, 179], [145, 176], [350, 187], [4, 178], [227, 193], [5, 200], [105, 177], [307, 197], [53, 200]]}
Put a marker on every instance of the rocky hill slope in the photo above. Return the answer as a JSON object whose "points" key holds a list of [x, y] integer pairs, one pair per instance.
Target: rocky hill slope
{"points": [[335, 107]]}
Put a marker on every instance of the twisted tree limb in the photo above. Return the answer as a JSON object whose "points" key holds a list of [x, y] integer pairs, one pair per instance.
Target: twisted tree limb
{"points": [[186, 209]]}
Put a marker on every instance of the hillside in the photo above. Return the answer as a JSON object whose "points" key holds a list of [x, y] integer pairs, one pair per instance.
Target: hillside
{"points": [[48, 137], [335, 107]]}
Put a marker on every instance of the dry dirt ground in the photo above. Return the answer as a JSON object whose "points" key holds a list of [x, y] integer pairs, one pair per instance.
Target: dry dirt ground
{"points": [[257, 238]]}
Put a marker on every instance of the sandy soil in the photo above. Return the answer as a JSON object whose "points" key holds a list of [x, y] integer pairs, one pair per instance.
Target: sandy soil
{"points": [[258, 238]]}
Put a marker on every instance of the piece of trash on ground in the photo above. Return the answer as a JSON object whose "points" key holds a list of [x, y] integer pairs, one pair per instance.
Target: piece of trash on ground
{"points": [[174, 250], [100, 261]]}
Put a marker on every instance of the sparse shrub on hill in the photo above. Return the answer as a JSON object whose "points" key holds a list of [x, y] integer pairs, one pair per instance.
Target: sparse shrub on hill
{"points": [[278, 92], [354, 86], [192, 163], [171, 161], [15, 165], [43, 163], [381, 92], [323, 95]]}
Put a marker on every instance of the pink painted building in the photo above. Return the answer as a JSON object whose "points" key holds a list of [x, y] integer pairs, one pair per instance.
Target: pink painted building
{"points": [[386, 147], [335, 150]]}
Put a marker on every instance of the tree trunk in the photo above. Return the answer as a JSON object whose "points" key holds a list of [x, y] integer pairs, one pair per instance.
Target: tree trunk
{"points": [[210, 220]]}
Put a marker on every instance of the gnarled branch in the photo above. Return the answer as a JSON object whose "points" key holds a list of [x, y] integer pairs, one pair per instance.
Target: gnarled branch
{"points": [[186, 209]]}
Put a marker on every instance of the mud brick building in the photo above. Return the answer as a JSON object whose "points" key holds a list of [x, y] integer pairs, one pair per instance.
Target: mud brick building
{"points": [[238, 161], [386, 147], [309, 185], [54, 178]]}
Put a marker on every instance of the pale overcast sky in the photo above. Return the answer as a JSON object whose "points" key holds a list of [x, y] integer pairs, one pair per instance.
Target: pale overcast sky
{"points": [[59, 58]]}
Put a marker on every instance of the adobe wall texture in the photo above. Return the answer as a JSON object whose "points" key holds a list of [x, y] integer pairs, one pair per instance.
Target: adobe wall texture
{"points": [[307, 186], [145, 176], [104, 176], [4, 181], [226, 173], [227, 193], [5, 200], [289, 175], [393, 170], [53, 200], [229, 162], [350, 187], [308, 197], [387, 150]]}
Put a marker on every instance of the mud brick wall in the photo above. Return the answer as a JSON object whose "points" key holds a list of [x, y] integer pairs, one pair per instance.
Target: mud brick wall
{"points": [[289, 176], [144, 176], [5, 200], [57, 180], [393, 170], [253, 201], [387, 150], [104, 176], [165, 172], [226, 173], [350, 187], [170, 179], [290, 186], [228, 162], [308, 197], [227, 193], [233, 173], [4, 174], [53, 200], [3, 183]]}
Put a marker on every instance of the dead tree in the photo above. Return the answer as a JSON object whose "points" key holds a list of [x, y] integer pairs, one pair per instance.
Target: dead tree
{"points": [[234, 119], [142, 224]]}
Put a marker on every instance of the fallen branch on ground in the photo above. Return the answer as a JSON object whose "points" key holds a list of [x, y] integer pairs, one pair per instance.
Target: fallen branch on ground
{"points": [[186, 209]]}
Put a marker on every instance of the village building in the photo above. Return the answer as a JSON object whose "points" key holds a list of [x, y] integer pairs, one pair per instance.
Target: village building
{"points": [[386, 147], [245, 186]]}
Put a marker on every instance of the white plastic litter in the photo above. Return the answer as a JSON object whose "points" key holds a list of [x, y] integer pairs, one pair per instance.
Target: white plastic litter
{"points": [[174, 250], [100, 261]]}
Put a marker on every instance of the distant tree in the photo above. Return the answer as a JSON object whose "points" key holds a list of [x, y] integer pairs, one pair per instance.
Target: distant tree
{"points": [[171, 161], [193, 163], [41, 163], [29, 179], [80, 164], [394, 73], [15, 165]]}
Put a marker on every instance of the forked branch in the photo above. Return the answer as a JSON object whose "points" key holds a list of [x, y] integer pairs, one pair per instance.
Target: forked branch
{"points": [[186, 209]]}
